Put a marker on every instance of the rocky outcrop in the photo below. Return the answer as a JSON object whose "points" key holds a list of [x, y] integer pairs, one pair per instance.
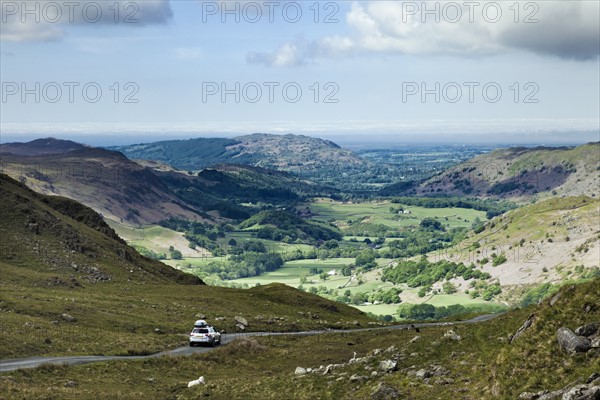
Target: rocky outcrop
{"points": [[588, 329], [384, 391], [588, 391], [572, 343], [523, 328]]}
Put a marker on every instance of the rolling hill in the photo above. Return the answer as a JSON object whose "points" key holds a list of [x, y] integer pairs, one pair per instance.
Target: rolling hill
{"points": [[55, 241], [300, 154], [104, 180], [516, 173], [70, 285], [550, 242]]}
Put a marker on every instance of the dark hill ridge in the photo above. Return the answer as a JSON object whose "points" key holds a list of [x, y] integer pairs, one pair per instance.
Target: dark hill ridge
{"points": [[139, 193], [104, 180], [57, 241], [41, 147]]}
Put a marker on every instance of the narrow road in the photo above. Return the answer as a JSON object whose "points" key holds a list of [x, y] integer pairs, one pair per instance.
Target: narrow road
{"points": [[14, 364]]}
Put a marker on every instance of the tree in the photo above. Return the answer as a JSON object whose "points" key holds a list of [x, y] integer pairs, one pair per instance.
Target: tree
{"points": [[448, 288], [323, 276], [431, 224], [176, 255], [331, 244], [346, 270], [232, 242]]}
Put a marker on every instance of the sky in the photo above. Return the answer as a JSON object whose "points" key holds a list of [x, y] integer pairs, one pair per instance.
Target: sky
{"points": [[406, 71]]}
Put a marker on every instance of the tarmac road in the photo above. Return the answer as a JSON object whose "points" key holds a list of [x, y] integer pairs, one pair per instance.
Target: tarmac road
{"points": [[14, 364]]}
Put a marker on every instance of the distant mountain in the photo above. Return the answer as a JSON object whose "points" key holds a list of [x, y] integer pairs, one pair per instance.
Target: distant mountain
{"points": [[39, 147], [104, 180], [148, 192], [516, 173], [300, 154], [54, 241]]}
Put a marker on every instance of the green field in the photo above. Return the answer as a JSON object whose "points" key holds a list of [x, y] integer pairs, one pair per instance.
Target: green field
{"points": [[155, 238], [293, 271], [379, 213]]}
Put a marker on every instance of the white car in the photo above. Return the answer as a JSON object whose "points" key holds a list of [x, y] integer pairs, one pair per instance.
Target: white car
{"points": [[205, 335]]}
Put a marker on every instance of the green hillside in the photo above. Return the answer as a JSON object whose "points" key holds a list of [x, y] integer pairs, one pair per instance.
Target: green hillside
{"points": [[517, 173], [470, 362], [68, 285]]}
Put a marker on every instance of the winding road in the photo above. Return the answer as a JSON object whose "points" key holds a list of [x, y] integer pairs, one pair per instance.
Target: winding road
{"points": [[23, 363]]}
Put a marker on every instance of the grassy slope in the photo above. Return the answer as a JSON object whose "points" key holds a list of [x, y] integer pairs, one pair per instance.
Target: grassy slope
{"points": [[537, 171], [116, 296], [481, 365], [555, 235]]}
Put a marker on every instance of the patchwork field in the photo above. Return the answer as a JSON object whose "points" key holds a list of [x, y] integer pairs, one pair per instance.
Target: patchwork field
{"points": [[379, 213]]}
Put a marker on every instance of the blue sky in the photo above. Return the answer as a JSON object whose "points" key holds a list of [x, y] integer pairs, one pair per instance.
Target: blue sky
{"points": [[374, 63]]}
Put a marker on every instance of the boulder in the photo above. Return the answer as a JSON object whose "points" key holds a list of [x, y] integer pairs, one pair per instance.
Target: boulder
{"points": [[68, 318], [572, 343], [588, 329], [582, 392], [388, 365], [452, 335], [383, 391], [423, 373], [300, 371], [241, 320]]}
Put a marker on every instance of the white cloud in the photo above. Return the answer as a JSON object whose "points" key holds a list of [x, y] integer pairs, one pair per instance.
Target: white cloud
{"points": [[567, 30], [188, 53], [46, 20]]}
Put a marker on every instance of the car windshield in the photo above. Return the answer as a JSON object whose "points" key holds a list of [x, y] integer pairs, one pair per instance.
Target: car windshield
{"points": [[200, 330]]}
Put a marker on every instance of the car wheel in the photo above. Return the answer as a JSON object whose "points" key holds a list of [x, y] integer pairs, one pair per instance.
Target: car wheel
{"points": [[212, 343], [191, 344]]}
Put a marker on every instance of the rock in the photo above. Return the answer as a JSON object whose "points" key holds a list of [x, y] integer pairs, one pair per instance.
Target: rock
{"points": [[589, 307], [588, 329], [374, 374], [592, 378], [376, 352], [199, 381], [240, 326], [438, 370], [414, 339], [388, 365], [452, 335], [523, 327], [582, 392], [200, 316], [68, 318], [555, 298], [384, 391], [595, 342], [423, 373], [390, 349], [48, 340], [572, 343], [328, 369], [300, 371], [220, 319], [71, 384], [358, 378], [241, 320]]}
